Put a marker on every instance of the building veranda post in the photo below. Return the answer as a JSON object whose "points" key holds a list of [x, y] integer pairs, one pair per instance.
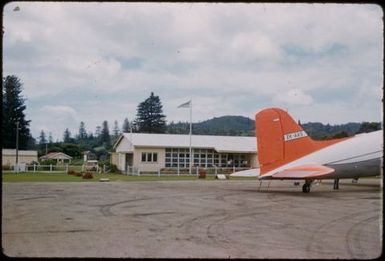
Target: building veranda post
{"points": [[153, 152]]}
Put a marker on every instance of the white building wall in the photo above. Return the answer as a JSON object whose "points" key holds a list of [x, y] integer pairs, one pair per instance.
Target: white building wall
{"points": [[122, 161], [149, 166], [24, 156], [124, 146], [254, 161]]}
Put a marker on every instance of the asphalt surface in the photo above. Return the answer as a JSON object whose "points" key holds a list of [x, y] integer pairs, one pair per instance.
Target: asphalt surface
{"points": [[192, 219]]}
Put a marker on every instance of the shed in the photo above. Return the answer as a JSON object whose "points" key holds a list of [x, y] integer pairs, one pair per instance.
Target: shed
{"points": [[60, 157], [24, 156]]}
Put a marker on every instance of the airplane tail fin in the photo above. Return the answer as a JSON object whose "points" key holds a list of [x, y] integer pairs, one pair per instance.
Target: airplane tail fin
{"points": [[281, 140]]}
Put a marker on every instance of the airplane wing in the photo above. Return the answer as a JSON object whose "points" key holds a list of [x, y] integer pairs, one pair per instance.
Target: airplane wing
{"points": [[246, 173], [310, 171]]}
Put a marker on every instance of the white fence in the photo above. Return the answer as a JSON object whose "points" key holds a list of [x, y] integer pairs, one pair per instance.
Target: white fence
{"points": [[134, 171], [130, 170], [55, 168]]}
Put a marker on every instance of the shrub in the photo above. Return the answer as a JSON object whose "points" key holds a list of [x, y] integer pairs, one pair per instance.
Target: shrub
{"points": [[34, 163], [6, 167], [78, 174], [202, 173], [48, 162], [87, 175], [71, 172], [114, 168], [91, 168]]}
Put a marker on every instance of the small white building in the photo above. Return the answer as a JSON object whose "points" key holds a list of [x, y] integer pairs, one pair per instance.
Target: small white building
{"points": [[60, 157], [151, 152], [24, 156]]}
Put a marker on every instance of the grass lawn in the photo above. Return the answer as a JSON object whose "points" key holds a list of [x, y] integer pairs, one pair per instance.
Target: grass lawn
{"points": [[9, 176]]}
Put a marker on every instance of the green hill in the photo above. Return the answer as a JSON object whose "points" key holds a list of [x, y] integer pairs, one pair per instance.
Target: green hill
{"points": [[225, 125], [243, 126], [319, 131]]}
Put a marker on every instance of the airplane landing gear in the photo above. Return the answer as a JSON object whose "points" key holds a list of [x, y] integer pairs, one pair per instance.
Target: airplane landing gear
{"points": [[306, 186], [336, 184]]}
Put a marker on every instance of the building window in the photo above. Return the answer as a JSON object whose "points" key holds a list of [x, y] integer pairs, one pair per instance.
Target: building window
{"points": [[177, 157], [180, 157], [149, 157]]}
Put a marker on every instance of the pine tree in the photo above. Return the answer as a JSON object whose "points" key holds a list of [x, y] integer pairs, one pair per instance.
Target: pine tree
{"points": [[42, 138], [82, 136], [116, 129], [13, 115], [126, 126], [42, 143], [67, 136], [98, 131], [149, 117], [50, 138], [116, 132], [105, 138]]}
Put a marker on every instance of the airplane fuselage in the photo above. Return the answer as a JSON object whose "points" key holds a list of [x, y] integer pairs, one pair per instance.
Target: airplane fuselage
{"points": [[355, 157]]}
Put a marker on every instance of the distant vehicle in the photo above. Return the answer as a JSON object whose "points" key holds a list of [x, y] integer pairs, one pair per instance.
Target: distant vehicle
{"points": [[286, 152], [91, 165]]}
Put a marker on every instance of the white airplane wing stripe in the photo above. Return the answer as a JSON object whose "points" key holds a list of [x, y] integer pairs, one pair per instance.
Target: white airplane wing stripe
{"points": [[303, 172]]}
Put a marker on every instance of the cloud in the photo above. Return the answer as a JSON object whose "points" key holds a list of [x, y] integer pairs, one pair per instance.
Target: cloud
{"points": [[99, 60], [59, 110], [293, 97], [55, 119]]}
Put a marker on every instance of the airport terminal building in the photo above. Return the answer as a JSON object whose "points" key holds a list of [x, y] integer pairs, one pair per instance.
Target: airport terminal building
{"points": [[151, 152]]}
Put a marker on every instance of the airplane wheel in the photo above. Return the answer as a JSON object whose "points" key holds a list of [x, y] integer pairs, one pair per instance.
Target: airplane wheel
{"points": [[306, 188]]}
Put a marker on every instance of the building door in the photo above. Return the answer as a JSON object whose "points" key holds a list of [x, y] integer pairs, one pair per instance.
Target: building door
{"points": [[129, 159]]}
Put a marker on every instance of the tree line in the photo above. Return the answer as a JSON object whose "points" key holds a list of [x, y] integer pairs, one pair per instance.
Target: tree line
{"points": [[149, 119]]}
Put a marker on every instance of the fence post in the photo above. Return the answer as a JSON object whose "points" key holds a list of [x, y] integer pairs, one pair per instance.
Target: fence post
{"points": [[178, 170], [34, 167], [159, 172], [197, 168], [233, 168], [67, 167], [50, 167]]}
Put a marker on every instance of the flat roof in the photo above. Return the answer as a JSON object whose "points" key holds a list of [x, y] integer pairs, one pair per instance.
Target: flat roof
{"points": [[20, 152], [241, 144]]}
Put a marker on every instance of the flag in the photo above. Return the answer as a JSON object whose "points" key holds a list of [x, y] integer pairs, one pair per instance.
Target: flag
{"points": [[185, 105]]}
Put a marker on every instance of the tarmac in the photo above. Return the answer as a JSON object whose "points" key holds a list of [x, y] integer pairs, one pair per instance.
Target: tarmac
{"points": [[193, 219]]}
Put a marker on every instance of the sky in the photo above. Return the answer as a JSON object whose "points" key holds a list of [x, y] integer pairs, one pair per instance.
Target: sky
{"points": [[96, 61]]}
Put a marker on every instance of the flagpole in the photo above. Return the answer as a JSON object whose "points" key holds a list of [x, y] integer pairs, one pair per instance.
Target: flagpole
{"points": [[184, 105], [190, 136]]}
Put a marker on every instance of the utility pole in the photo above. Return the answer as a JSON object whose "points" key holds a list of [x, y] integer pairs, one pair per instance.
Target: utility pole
{"points": [[17, 147], [190, 133]]}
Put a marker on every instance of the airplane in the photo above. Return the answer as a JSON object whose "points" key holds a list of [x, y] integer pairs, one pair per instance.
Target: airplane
{"points": [[286, 152]]}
